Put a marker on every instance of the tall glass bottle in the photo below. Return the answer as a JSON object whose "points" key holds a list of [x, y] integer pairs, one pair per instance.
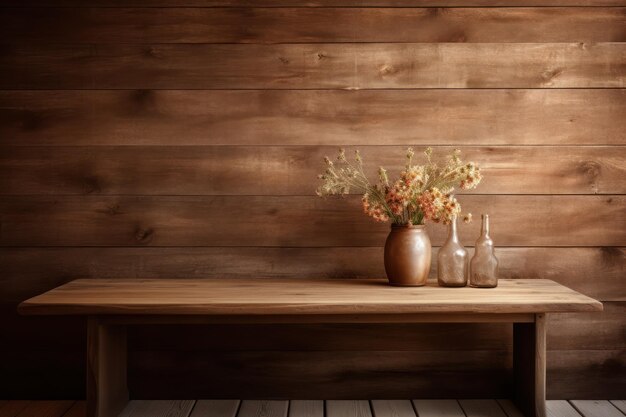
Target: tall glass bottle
{"points": [[484, 264], [452, 261]]}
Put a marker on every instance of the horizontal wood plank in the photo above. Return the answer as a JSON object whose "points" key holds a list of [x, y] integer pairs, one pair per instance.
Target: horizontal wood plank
{"points": [[332, 66], [44, 409], [158, 408], [300, 297], [385, 375], [13, 407], [314, 3], [603, 370], [560, 408], [566, 331], [302, 25], [330, 375], [293, 221], [314, 117], [215, 408], [254, 170], [596, 408], [597, 272]]}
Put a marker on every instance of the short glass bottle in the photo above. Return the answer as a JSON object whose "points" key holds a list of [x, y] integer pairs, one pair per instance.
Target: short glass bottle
{"points": [[452, 260], [484, 264]]}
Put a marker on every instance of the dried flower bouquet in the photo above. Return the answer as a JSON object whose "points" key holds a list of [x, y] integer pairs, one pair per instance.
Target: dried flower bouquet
{"points": [[421, 191]]}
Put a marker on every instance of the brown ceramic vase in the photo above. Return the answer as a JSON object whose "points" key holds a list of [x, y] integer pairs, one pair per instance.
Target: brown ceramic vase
{"points": [[407, 255]]}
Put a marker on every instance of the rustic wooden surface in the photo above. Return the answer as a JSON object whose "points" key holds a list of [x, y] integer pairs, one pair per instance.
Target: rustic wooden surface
{"points": [[295, 221], [158, 160], [314, 117], [401, 408], [306, 408], [294, 297], [215, 408], [298, 25], [288, 170], [331, 65]]}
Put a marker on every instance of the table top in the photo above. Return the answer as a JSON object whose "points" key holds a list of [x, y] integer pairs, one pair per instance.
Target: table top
{"points": [[299, 297]]}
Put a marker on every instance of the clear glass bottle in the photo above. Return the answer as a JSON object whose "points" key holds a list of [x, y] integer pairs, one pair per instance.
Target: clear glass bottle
{"points": [[484, 264], [452, 260]]}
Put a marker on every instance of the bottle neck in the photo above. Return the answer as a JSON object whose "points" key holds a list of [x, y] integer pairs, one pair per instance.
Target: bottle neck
{"points": [[485, 225], [452, 233]]}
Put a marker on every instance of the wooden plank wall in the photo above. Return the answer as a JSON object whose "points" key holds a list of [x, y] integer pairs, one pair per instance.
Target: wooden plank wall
{"points": [[181, 138]]}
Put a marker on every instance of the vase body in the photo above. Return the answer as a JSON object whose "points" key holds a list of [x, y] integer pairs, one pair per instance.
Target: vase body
{"points": [[484, 264], [407, 255], [452, 260]]}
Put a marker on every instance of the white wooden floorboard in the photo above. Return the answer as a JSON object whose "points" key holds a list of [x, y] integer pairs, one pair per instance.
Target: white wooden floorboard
{"points": [[482, 408], [438, 408], [392, 408], [596, 408], [263, 408], [510, 409], [158, 408], [621, 404], [561, 408], [348, 408], [306, 408], [215, 408]]}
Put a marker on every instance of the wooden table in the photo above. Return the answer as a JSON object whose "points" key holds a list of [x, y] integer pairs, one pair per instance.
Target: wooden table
{"points": [[112, 305]]}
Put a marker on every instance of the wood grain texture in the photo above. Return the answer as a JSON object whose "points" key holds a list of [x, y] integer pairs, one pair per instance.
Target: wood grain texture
{"points": [[560, 408], [158, 408], [482, 408], [603, 370], [107, 390], [314, 117], [392, 408], [436, 408], [509, 408], [529, 367], [10, 408], [571, 267], [79, 409], [293, 221], [251, 408], [306, 98], [215, 408], [348, 408], [264, 170], [316, 3], [306, 408], [44, 409], [295, 297], [621, 404], [13, 408], [596, 408], [298, 25], [345, 66]]}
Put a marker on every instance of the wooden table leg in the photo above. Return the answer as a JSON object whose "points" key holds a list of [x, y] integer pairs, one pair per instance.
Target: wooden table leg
{"points": [[107, 392], [529, 366]]}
